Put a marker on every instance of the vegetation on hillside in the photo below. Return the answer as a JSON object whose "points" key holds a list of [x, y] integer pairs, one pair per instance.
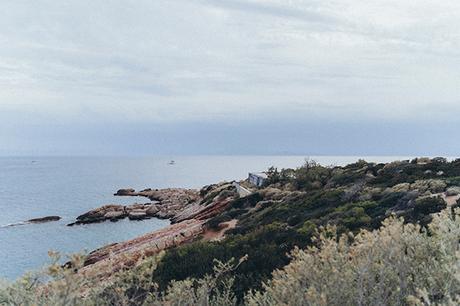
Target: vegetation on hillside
{"points": [[398, 264], [295, 203], [333, 235]]}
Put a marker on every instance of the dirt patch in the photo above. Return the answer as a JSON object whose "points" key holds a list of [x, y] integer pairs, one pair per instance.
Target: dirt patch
{"points": [[451, 200], [213, 235]]}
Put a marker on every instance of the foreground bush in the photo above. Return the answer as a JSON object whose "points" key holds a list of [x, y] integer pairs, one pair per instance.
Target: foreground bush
{"points": [[63, 286], [399, 264]]}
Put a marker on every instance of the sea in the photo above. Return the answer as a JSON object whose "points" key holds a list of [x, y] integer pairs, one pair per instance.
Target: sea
{"points": [[33, 187]]}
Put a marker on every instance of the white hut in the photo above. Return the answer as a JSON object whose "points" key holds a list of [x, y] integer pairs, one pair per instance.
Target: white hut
{"points": [[257, 178]]}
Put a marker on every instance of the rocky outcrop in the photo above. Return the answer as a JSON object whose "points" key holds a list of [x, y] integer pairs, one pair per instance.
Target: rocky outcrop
{"points": [[215, 199], [170, 201], [176, 204], [167, 204], [34, 221], [44, 219], [125, 192], [115, 212], [111, 258], [168, 195], [188, 211]]}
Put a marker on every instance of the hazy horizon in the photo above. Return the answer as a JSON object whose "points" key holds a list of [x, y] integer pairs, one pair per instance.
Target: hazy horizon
{"points": [[229, 77]]}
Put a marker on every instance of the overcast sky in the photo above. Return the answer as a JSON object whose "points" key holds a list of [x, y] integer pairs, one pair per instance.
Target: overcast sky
{"points": [[229, 77]]}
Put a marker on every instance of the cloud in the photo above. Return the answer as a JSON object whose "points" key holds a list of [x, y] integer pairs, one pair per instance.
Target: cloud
{"points": [[278, 9], [181, 61]]}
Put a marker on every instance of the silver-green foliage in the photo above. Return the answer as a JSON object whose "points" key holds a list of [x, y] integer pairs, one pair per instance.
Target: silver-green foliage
{"points": [[399, 264], [61, 286]]}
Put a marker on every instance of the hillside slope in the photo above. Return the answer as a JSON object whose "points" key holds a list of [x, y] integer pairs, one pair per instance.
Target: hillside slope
{"points": [[307, 207]]}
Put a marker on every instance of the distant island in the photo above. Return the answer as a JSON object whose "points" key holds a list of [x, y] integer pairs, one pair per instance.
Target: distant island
{"points": [[361, 234]]}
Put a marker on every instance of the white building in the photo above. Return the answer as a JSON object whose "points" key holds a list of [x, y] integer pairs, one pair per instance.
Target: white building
{"points": [[257, 178]]}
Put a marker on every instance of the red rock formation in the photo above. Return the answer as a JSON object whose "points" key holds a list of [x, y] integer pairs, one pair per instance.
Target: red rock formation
{"points": [[188, 209], [111, 258]]}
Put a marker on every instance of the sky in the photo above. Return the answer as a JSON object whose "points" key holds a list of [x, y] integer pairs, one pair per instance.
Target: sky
{"points": [[319, 77]]}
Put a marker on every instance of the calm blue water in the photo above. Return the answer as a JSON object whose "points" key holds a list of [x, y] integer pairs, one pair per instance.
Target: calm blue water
{"points": [[70, 186]]}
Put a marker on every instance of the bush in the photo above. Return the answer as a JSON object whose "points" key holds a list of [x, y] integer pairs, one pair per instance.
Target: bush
{"points": [[428, 205], [133, 287], [398, 264], [311, 176], [266, 247]]}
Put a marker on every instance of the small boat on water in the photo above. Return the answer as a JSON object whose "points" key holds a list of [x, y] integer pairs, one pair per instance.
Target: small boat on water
{"points": [[172, 162]]}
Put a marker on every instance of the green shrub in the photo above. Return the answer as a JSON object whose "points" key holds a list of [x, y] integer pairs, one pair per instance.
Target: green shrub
{"points": [[428, 205], [308, 228]]}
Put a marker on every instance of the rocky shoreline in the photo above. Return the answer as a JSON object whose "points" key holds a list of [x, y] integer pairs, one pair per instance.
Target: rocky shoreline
{"points": [[166, 204], [187, 209]]}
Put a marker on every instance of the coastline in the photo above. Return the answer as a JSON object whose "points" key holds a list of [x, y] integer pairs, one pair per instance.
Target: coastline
{"points": [[70, 186], [187, 209]]}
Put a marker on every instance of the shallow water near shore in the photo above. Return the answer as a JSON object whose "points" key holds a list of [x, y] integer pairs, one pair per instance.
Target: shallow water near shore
{"points": [[32, 187]]}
